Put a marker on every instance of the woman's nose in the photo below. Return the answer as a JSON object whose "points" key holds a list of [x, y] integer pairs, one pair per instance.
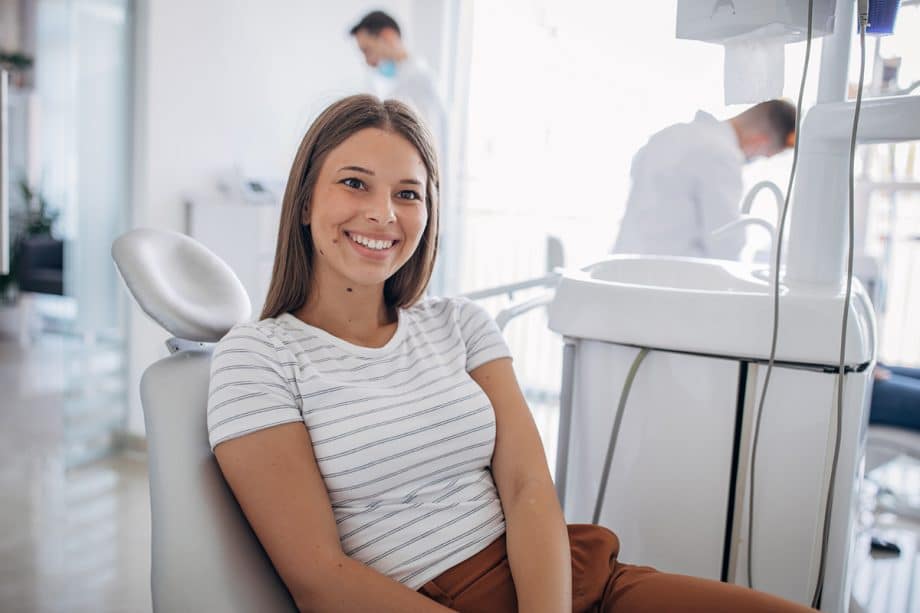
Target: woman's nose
{"points": [[381, 210]]}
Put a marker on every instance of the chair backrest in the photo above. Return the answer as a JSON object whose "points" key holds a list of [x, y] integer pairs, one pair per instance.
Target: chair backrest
{"points": [[205, 557]]}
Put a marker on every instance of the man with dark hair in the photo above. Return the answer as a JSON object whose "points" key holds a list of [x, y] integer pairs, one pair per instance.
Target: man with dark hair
{"points": [[686, 181], [374, 23], [407, 78]]}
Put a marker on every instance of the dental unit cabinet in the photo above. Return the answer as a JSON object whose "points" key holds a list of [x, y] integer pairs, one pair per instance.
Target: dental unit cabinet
{"points": [[678, 487], [676, 494]]}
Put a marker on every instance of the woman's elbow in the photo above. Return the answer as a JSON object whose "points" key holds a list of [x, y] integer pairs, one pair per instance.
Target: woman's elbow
{"points": [[315, 589], [311, 598], [305, 597]]}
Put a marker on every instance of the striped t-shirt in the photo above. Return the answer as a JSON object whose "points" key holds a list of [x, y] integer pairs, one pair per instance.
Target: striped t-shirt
{"points": [[402, 435]]}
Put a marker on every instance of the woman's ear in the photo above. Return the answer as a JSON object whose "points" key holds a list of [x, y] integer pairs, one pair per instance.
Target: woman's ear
{"points": [[305, 216]]}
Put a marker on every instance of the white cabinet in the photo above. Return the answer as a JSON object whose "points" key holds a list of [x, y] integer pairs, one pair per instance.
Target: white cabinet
{"points": [[668, 494], [243, 235]]}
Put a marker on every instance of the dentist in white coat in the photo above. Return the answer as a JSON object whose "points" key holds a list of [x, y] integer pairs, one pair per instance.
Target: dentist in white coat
{"points": [[406, 77], [686, 181]]}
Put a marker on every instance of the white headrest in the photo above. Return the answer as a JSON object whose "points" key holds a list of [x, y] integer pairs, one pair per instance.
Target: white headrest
{"points": [[182, 285]]}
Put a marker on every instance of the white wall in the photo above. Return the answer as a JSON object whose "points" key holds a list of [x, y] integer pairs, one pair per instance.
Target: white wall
{"points": [[224, 83]]}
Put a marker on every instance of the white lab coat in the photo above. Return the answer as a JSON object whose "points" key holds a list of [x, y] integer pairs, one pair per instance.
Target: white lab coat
{"points": [[686, 182], [415, 85]]}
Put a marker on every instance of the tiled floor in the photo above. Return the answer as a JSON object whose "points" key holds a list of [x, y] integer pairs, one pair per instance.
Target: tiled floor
{"points": [[73, 539], [76, 539], [884, 583]]}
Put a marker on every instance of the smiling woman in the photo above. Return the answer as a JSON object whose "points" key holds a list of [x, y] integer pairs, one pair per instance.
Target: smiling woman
{"points": [[346, 170], [378, 441]]}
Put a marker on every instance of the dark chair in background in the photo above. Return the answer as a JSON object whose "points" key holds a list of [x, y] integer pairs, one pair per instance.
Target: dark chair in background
{"points": [[40, 267], [39, 262]]}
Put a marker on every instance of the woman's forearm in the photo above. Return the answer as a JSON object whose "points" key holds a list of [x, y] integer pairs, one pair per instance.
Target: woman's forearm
{"points": [[538, 549], [347, 585]]}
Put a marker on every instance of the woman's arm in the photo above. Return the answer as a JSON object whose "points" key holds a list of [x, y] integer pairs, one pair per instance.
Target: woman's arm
{"points": [[537, 539], [274, 476]]}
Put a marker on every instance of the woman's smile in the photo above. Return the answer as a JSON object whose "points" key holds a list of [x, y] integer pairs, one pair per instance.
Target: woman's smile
{"points": [[371, 245]]}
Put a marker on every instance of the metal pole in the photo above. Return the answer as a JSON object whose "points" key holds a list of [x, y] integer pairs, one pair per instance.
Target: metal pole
{"points": [[835, 56], [565, 419]]}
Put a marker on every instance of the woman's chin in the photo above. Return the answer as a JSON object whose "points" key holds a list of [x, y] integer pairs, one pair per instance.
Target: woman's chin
{"points": [[367, 281]]}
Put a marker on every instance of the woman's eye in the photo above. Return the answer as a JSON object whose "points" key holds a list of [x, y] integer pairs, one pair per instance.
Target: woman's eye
{"points": [[353, 183], [408, 194]]}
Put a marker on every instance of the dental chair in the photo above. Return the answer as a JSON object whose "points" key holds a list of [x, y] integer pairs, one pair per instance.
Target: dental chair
{"points": [[205, 557]]}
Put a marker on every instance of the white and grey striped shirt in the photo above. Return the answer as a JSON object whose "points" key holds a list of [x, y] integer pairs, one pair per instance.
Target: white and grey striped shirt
{"points": [[402, 435]]}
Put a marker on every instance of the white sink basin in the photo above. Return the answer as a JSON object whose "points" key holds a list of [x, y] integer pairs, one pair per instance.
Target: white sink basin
{"points": [[714, 307], [681, 273]]}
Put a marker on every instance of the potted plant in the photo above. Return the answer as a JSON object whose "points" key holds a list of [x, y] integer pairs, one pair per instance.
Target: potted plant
{"points": [[18, 64]]}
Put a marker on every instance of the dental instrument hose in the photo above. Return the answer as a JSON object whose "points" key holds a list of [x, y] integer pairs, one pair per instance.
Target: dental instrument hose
{"points": [[863, 17], [615, 431], [776, 270]]}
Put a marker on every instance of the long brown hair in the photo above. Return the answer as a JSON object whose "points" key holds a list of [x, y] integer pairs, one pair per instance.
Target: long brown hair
{"points": [[292, 273]]}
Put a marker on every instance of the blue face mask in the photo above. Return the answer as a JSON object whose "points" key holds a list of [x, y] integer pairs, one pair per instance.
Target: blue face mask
{"points": [[387, 68]]}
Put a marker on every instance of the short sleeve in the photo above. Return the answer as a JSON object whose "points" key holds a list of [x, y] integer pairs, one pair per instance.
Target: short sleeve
{"points": [[250, 389], [483, 339]]}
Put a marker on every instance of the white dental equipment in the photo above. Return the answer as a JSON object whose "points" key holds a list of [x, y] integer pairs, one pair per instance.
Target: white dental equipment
{"points": [[753, 34], [677, 489]]}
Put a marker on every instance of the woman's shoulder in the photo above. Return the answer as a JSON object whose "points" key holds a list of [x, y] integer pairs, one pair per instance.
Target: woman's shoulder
{"points": [[466, 320], [445, 308], [457, 313], [267, 333]]}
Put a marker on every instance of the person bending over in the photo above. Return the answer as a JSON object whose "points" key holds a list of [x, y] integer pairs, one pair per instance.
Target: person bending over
{"points": [[686, 181]]}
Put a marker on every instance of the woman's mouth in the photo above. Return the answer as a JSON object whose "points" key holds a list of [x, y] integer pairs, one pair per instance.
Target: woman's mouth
{"points": [[372, 245]]}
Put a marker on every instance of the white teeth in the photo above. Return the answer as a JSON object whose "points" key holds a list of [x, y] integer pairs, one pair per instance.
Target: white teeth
{"points": [[371, 244]]}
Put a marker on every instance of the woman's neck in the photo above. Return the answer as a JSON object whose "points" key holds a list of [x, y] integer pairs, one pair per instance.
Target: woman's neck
{"points": [[357, 314]]}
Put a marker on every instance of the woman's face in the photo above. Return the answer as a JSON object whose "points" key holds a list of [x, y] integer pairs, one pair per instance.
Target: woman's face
{"points": [[368, 210]]}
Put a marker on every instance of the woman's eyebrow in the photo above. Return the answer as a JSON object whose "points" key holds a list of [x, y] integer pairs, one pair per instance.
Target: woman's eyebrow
{"points": [[357, 169], [371, 173]]}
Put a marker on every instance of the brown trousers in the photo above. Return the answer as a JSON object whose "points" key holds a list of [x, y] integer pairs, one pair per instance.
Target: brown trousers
{"points": [[483, 584]]}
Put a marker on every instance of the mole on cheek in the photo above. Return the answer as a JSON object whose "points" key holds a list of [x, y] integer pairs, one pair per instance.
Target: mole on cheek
{"points": [[348, 289], [335, 241]]}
